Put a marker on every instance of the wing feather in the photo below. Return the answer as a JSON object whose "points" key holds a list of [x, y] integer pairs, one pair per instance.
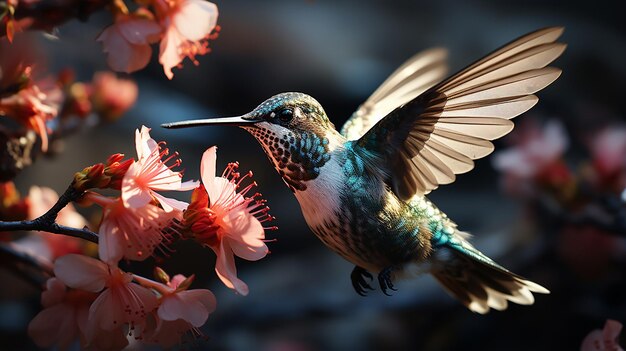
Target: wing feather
{"points": [[500, 108], [416, 75], [436, 135]]}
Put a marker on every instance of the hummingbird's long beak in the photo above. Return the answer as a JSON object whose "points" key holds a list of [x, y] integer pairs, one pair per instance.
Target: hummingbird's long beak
{"points": [[226, 121]]}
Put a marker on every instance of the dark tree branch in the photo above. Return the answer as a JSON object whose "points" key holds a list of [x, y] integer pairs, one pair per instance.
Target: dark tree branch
{"points": [[9, 251], [607, 213], [46, 222], [25, 266], [47, 14]]}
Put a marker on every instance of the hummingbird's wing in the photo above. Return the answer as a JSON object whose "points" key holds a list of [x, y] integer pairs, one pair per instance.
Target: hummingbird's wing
{"points": [[414, 77], [435, 136]]}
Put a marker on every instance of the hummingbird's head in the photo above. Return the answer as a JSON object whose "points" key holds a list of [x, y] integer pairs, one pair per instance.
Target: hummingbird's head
{"points": [[293, 130]]}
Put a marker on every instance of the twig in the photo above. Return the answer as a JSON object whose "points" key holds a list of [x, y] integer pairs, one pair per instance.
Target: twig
{"points": [[47, 14], [606, 213], [20, 262], [46, 222]]}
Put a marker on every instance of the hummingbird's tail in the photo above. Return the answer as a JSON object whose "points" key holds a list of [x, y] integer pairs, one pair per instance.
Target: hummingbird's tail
{"points": [[478, 282]]}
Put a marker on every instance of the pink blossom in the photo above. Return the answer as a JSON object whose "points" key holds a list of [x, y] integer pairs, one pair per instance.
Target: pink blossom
{"points": [[127, 42], [536, 149], [119, 302], [112, 96], [192, 306], [168, 334], [605, 339], [608, 149], [180, 310], [59, 323], [588, 250], [151, 172], [187, 25], [226, 221], [41, 199], [129, 232], [64, 320], [33, 108]]}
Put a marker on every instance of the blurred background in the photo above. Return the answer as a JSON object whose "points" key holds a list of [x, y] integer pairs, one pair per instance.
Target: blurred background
{"points": [[301, 296]]}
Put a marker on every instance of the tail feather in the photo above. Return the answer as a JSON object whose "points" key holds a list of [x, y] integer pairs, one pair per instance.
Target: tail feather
{"points": [[480, 283]]}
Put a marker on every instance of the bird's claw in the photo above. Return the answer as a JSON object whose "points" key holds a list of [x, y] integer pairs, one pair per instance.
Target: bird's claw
{"points": [[358, 281], [384, 279]]}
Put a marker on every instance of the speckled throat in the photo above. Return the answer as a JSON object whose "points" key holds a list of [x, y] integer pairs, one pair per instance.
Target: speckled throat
{"points": [[297, 156]]}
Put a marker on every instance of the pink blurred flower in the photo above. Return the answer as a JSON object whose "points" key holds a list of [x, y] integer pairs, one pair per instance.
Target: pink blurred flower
{"points": [[33, 108], [180, 310], [187, 25], [151, 172], [112, 96], [63, 318], [537, 149], [129, 232], [608, 150], [119, 302], [12, 206], [588, 250], [127, 41], [536, 161], [41, 199], [226, 221], [605, 339]]}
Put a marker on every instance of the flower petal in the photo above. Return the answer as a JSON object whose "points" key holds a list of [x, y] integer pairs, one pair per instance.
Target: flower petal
{"points": [[81, 272], [169, 55], [195, 19], [106, 312], [108, 339], [122, 56], [119, 304], [170, 204], [144, 144], [54, 325], [207, 166], [110, 243], [188, 185], [592, 342], [610, 334], [54, 293], [247, 241], [226, 270], [223, 191], [134, 195], [175, 307], [138, 30], [205, 297]]}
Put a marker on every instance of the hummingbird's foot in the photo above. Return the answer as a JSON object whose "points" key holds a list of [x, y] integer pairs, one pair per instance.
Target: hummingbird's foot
{"points": [[384, 279], [358, 280]]}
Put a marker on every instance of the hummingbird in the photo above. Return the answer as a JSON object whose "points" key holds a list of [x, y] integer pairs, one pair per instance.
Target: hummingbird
{"points": [[362, 190]]}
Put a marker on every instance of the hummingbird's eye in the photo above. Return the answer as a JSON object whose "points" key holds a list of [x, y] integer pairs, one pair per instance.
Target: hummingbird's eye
{"points": [[285, 115]]}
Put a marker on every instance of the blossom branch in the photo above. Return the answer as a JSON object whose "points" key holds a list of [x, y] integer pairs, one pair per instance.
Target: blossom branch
{"points": [[46, 222], [607, 214], [46, 14], [28, 267]]}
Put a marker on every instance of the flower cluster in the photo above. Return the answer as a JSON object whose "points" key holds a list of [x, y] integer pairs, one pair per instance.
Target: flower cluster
{"points": [[587, 201], [183, 28], [51, 108], [99, 303], [227, 221], [605, 339]]}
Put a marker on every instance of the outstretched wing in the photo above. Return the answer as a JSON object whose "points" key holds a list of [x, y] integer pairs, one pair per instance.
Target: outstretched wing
{"points": [[435, 136], [414, 77]]}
